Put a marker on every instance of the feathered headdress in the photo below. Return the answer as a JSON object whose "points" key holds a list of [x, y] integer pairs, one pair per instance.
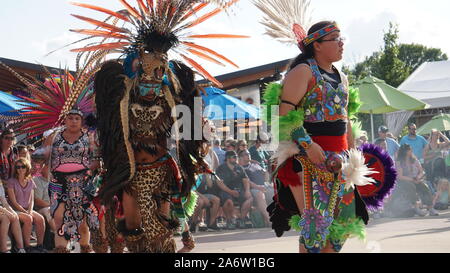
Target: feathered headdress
{"points": [[160, 26], [51, 101], [286, 20]]}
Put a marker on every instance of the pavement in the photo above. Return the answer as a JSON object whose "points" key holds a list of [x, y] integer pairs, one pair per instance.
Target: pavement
{"points": [[429, 234]]}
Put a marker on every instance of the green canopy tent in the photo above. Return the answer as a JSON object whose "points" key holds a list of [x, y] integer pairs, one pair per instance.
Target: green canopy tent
{"points": [[440, 122], [378, 97]]}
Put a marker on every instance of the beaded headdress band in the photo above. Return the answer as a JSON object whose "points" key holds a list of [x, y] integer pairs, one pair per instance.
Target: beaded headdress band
{"points": [[75, 112], [319, 34]]}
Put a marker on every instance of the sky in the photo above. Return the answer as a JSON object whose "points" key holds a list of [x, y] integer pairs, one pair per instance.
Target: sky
{"points": [[30, 29]]}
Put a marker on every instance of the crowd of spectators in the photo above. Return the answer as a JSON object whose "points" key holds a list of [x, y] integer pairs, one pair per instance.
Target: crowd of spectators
{"points": [[422, 164], [237, 194]]}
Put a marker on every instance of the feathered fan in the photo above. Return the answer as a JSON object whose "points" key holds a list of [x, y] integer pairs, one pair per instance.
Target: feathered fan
{"points": [[52, 99], [160, 25]]}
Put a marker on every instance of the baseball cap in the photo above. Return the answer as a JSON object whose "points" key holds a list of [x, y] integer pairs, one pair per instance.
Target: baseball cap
{"points": [[383, 129], [230, 154]]}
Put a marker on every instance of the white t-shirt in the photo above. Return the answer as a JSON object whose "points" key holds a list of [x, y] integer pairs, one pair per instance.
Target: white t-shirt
{"points": [[2, 191], [2, 195]]}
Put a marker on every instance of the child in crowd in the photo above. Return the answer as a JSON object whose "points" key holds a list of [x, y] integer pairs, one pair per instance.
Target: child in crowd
{"points": [[441, 196]]}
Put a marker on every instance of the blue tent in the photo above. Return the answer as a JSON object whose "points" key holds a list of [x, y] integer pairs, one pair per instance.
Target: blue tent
{"points": [[10, 103], [220, 106]]}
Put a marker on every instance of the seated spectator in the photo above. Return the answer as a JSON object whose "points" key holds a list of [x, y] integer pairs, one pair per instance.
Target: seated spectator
{"points": [[411, 180], [235, 188], [256, 175], [23, 152], [259, 155], [219, 152], [441, 197], [21, 196], [230, 145], [207, 199], [41, 196], [433, 151], [241, 146], [9, 222]]}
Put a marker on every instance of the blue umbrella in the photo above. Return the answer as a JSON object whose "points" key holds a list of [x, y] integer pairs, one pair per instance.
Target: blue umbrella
{"points": [[9, 104], [220, 106]]}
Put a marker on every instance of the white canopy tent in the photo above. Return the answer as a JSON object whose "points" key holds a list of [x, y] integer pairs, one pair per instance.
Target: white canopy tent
{"points": [[429, 83]]}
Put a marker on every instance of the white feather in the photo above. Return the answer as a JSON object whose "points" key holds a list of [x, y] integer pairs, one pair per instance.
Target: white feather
{"points": [[286, 149], [280, 16], [355, 172]]}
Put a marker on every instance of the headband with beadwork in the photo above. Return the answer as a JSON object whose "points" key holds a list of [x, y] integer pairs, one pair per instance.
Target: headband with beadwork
{"points": [[319, 34], [75, 112]]}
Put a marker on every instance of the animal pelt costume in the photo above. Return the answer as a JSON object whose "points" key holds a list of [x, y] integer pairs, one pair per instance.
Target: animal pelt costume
{"points": [[134, 102]]}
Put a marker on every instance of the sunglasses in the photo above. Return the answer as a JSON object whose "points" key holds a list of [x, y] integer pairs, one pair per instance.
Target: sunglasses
{"points": [[21, 167]]}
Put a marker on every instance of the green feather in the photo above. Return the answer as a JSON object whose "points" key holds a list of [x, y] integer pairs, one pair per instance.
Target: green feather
{"points": [[356, 128], [349, 227], [190, 204], [354, 103], [294, 223], [271, 97], [286, 124]]}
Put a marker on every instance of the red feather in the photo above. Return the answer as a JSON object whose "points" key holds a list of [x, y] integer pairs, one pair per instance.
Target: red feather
{"points": [[107, 11], [101, 33], [210, 14], [143, 6], [217, 36], [194, 10], [202, 48], [204, 56], [100, 24], [202, 71], [130, 9], [101, 46]]}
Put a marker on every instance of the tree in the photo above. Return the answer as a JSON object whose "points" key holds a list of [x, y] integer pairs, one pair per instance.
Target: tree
{"points": [[394, 62], [413, 55]]}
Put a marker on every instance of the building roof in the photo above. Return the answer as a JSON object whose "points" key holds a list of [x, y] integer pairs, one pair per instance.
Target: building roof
{"points": [[10, 83], [251, 75], [430, 83]]}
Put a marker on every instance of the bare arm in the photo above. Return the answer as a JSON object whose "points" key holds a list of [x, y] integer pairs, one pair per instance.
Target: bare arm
{"points": [[31, 202], [246, 183], [446, 140], [223, 187], [350, 139], [41, 203], [295, 87]]}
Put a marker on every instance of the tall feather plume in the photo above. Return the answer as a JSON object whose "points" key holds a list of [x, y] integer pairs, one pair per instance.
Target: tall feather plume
{"points": [[281, 15], [158, 25], [50, 100]]}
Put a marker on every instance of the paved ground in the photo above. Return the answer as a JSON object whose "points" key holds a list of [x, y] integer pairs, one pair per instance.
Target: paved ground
{"points": [[387, 235]]}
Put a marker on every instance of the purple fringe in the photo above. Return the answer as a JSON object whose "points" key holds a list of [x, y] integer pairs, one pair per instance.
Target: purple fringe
{"points": [[376, 202]]}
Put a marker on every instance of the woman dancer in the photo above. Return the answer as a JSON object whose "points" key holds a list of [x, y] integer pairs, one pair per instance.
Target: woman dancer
{"points": [[72, 158], [316, 192]]}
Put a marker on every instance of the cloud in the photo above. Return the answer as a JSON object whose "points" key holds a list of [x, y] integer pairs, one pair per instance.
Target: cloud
{"points": [[366, 36]]}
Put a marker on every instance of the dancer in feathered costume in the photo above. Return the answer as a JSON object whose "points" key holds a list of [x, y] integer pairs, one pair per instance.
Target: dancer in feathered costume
{"points": [[317, 167], [134, 100], [60, 103]]}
